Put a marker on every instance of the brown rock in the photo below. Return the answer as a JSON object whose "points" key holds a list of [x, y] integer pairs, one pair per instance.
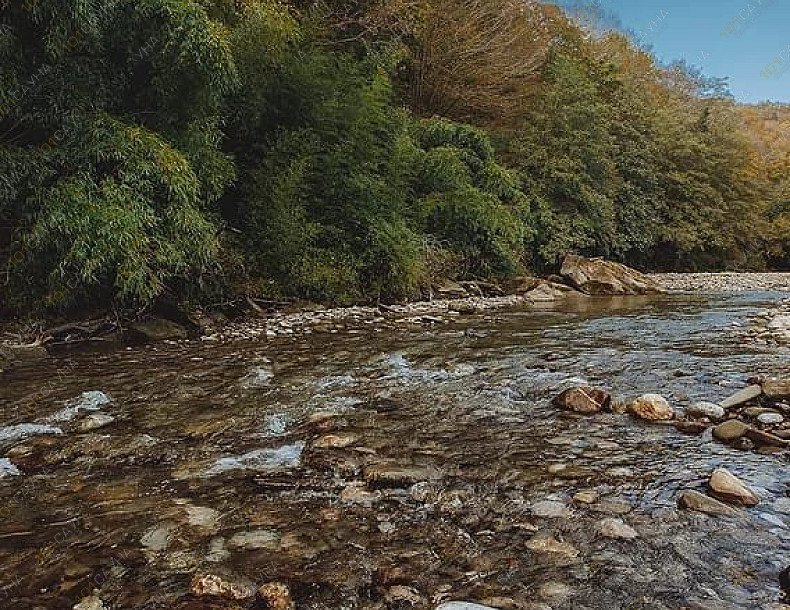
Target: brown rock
{"points": [[726, 486], [651, 407], [691, 427], [213, 585], [276, 595], [583, 400], [730, 431], [766, 439], [694, 500], [776, 388], [600, 277]]}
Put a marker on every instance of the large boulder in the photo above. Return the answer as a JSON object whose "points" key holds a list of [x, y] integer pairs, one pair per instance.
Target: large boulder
{"points": [[596, 276]]}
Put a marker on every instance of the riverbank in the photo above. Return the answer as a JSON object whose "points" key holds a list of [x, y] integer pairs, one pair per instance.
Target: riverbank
{"points": [[710, 283]]}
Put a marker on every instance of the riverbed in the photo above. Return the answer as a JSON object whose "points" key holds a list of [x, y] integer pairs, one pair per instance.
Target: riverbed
{"points": [[393, 466]]}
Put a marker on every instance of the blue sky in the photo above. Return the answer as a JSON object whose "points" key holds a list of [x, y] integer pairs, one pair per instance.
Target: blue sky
{"points": [[747, 41]]}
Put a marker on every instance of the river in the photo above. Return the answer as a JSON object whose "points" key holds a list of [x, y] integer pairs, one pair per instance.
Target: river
{"points": [[392, 468]]}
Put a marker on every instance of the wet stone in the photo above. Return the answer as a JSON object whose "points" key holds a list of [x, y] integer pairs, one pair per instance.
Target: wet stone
{"points": [[276, 596], [651, 407], [216, 586], [585, 400], [694, 500], [385, 476], [747, 394], [551, 509], [727, 487], [730, 430], [550, 545], [462, 606], [616, 528], [770, 418]]}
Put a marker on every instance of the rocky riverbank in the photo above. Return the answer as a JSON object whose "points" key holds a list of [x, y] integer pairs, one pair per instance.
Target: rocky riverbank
{"points": [[712, 283]]}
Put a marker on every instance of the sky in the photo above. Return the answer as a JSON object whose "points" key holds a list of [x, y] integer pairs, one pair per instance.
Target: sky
{"points": [[747, 41]]}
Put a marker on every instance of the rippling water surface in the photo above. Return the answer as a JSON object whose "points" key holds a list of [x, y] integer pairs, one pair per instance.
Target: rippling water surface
{"points": [[211, 465]]}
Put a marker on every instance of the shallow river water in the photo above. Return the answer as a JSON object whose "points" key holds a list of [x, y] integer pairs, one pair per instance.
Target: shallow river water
{"points": [[347, 465]]}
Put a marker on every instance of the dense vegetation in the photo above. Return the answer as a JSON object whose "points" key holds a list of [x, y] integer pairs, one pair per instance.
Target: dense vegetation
{"points": [[346, 151]]}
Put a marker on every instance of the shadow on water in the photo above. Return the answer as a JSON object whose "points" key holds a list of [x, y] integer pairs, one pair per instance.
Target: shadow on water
{"points": [[437, 454]]}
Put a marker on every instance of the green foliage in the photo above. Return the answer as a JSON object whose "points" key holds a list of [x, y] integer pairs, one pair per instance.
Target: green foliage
{"points": [[110, 147], [196, 146]]}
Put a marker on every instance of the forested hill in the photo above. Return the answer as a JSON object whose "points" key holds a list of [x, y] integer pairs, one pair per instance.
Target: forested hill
{"points": [[355, 150]]}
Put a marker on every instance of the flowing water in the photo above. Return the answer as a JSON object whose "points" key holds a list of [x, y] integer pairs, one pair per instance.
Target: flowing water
{"points": [[438, 449]]}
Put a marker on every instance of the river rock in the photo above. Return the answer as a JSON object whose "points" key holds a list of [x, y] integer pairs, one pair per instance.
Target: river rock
{"points": [[462, 606], [601, 277], [584, 400], [770, 418], [691, 427], [694, 500], [154, 330], [588, 496], [90, 603], [94, 421], [10, 353], [710, 410], [730, 431], [616, 528], [276, 596], [549, 544], [215, 586], [651, 407], [550, 509], [394, 476], [547, 292], [726, 486], [747, 394], [776, 388], [335, 441], [766, 439]]}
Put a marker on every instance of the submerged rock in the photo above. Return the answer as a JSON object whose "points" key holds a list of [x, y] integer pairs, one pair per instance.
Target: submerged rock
{"points": [[600, 277], [462, 606], [23, 431], [651, 407], [90, 603], [694, 500], [94, 421], [213, 585], [616, 528], [276, 596], [550, 509], [583, 399], [726, 486], [549, 544]]}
